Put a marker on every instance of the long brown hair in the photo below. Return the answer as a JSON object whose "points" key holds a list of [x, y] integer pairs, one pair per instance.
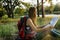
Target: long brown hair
{"points": [[32, 14]]}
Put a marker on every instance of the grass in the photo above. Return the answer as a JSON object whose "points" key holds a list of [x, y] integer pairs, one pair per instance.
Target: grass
{"points": [[9, 26], [8, 29], [58, 25], [8, 20], [43, 21]]}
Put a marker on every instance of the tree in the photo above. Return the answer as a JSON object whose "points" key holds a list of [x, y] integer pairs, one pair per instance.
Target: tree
{"points": [[51, 8], [20, 11], [9, 5], [26, 4], [16, 2], [0, 0], [2, 10], [57, 8], [38, 7], [42, 10]]}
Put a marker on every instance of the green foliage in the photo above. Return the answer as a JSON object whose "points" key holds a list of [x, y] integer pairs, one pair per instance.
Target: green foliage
{"points": [[16, 2], [19, 11], [57, 7], [5, 17], [2, 11], [26, 4], [47, 9], [0, 0]]}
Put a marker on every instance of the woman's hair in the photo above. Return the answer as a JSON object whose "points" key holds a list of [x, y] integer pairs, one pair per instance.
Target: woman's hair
{"points": [[32, 14]]}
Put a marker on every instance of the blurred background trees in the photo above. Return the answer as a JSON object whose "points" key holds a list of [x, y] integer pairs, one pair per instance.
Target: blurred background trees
{"points": [[12, 7], [2, 10]]}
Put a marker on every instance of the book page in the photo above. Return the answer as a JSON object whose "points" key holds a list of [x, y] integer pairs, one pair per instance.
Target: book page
{"points": [[53, 21]]}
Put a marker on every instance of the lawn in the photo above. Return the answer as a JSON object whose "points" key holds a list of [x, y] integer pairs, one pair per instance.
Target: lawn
{"points": [[44, 21], [9, 27]]}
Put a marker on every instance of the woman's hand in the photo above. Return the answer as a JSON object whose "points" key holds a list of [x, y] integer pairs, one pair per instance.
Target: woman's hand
{"points": [[47, 27]]}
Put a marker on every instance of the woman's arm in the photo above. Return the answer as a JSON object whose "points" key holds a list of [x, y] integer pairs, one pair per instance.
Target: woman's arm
{"points": [[31, 24], [38, 29], [48, 27]]}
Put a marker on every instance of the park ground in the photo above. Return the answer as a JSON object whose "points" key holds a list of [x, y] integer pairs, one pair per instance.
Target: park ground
{"points": [[9, 30]]}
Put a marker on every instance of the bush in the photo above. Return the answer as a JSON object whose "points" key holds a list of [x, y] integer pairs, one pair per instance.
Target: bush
{"points": [[19, 11], [2, 12], [5, 16], [4, 19]]}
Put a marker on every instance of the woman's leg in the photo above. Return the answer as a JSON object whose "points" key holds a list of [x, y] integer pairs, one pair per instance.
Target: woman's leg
{"points": [[41, 35]]}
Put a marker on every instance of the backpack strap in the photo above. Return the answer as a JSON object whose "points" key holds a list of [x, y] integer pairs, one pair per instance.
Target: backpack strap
{"points": [[20, 22], [25, 19]]}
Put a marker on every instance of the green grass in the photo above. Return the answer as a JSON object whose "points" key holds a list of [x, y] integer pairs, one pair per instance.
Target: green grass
{"points": [[43, 21], [58, 25], [9, 26], [8, 29]]}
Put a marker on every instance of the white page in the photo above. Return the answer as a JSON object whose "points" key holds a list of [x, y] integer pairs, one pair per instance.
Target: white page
{"points": [[52, 22]]}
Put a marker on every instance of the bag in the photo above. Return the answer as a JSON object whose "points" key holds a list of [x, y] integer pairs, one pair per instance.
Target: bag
{"points": [[22, 30], [21, 27]]}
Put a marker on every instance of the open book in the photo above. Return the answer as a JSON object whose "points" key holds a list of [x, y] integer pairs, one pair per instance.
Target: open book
{"points": [[52, 22]]}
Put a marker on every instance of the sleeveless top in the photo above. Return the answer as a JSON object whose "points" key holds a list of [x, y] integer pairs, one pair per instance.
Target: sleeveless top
{"points": [[29, 30]]}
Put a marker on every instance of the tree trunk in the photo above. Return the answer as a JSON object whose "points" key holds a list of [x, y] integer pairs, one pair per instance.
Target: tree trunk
{"points": [[38, 8], [12, 14], [9, 13], [42, 10], [12, 11]]}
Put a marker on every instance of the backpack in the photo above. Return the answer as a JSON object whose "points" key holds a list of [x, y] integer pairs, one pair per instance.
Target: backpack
{"points": [[21, 27]]}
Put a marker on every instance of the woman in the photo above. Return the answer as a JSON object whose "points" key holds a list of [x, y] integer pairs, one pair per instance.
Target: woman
{"points": [[32, 30], [31, 22]]}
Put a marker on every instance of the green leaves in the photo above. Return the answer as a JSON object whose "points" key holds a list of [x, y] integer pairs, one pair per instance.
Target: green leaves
{"points": [[19, 11]]}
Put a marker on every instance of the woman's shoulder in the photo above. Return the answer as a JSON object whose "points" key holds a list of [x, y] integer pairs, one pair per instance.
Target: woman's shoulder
{"points": [[29, 19]]}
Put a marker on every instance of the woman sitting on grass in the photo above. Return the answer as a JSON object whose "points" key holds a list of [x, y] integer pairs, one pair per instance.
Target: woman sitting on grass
{"points": [[33, 29]]}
